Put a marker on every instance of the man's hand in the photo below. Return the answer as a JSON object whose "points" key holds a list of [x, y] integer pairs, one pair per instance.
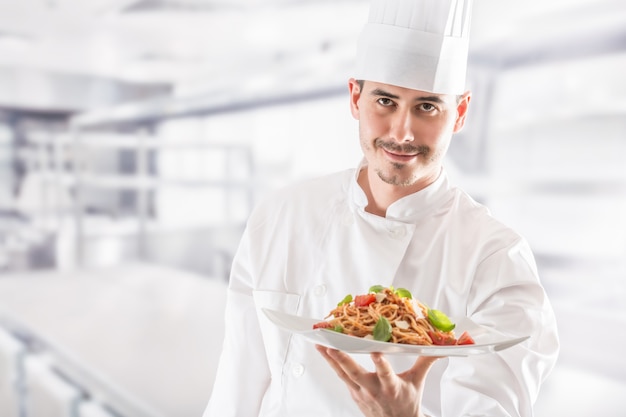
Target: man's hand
{"points": [[382, 393]]}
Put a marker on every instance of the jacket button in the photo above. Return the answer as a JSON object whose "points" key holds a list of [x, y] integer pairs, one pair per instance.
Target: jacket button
{"points": [[398, 232], [297, 370], [319, 290]]}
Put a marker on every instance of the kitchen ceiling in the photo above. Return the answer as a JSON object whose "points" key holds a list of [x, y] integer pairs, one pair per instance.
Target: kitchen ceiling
{"points": [[170, 40], [200, 45]]}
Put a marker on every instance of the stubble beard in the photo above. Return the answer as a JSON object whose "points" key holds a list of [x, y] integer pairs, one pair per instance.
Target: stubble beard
{"points": [[394, 177]]}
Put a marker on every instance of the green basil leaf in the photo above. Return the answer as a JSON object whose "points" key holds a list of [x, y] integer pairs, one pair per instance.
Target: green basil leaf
{"points": [[338, 328], [440, 320], [376, 288], [346, 300], [382, 330], [403, 292]]}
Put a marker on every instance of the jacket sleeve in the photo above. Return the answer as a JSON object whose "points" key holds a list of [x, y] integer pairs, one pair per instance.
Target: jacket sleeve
{"points": [[242, 374], [506, 296]]}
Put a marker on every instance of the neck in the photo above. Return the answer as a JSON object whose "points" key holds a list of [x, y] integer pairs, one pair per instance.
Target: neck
{"points": [[381, 195]]}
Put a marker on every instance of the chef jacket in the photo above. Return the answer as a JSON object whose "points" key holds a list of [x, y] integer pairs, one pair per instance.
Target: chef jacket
{"points": [[309, 245]]}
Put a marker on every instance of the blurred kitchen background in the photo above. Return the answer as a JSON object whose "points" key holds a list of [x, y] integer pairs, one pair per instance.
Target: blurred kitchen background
{"points": [[136, 136]]}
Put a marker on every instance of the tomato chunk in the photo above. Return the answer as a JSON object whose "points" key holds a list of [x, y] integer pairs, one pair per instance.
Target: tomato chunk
{"points": [[364, 300], [465, 339], [323, 325]]}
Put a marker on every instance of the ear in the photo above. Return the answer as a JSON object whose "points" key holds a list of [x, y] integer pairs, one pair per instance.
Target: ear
{"points": [[355, 94], [461, 110]]}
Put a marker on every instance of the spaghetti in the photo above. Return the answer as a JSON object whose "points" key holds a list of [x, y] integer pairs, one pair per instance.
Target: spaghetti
{"points": [[392, 315]]}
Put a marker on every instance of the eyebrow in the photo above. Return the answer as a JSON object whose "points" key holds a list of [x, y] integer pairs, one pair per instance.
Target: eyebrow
{"points": [[382, 93]]}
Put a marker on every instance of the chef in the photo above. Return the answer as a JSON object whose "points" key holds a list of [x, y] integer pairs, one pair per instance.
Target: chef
{"points": [[397, 220]]}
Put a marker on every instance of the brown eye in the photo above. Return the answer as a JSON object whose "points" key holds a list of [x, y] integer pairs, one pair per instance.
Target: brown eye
{"points": [[427, 107], [385, 101]]}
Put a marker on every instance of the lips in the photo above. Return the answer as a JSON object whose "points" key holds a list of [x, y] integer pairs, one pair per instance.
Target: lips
{"points": [[407, 155], [399, 157], [400, 153]]}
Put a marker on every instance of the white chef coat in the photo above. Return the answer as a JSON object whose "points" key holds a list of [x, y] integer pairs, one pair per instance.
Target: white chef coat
{"points": [[310, 244]]}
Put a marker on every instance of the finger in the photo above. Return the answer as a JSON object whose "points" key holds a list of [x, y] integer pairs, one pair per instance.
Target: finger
{"points": [[331, 356], [385, 372]]}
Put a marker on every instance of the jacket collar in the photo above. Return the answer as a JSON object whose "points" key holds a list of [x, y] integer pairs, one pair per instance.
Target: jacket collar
{"points": [[408, 209]]}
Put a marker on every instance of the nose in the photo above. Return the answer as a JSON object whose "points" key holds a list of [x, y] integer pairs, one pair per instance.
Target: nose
{"points": [[401, 127]]}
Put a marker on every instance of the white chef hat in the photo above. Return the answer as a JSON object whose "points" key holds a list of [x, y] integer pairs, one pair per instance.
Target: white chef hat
{"points": [[417, 44]]}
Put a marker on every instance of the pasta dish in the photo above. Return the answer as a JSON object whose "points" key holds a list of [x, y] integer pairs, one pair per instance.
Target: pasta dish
{"points": [[392, 315]]}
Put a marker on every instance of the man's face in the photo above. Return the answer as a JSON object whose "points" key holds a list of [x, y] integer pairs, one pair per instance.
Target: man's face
{"points": [[405, 133]]}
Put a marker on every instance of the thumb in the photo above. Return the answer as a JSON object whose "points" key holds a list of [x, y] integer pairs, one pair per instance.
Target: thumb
{"points": [[420, 368]]}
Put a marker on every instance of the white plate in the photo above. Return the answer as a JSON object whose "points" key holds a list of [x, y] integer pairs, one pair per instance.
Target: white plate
{"points": [[487, 340]]}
